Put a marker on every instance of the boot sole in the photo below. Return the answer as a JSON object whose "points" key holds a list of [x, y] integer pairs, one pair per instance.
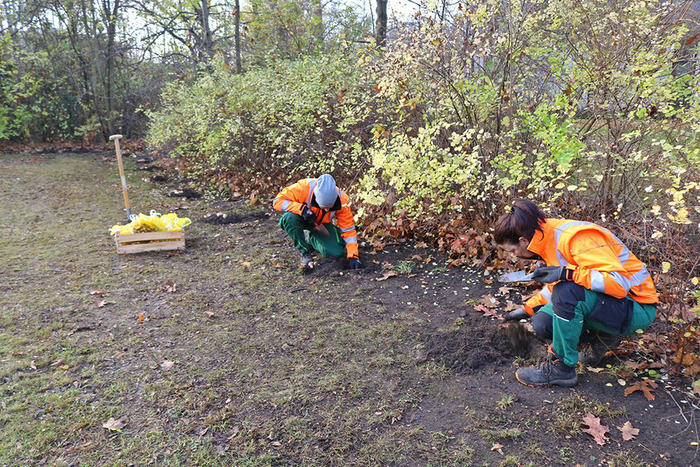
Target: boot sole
{"points": [[567, 383]]}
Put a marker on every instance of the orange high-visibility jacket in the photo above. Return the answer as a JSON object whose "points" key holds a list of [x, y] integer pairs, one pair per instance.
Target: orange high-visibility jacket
{"points": [[299, 195], [599, 260]]}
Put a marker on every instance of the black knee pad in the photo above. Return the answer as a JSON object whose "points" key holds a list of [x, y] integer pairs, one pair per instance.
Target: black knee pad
{"points": [[565, 296], [542, 325]]}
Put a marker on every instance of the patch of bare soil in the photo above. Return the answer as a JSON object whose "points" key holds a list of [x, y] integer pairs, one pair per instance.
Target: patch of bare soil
{"points": [[221, 218]]}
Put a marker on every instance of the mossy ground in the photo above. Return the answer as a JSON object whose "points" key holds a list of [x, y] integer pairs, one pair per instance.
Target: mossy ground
{"points": [[227, 354]]}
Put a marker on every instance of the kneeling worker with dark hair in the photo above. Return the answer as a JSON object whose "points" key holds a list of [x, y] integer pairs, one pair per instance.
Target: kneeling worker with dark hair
{"points": [[595, 287]]}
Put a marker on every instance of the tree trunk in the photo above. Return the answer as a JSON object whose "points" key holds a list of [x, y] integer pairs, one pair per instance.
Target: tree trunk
{"points": [[208, 41], [111, 20], [237, 33], [382, 19]]}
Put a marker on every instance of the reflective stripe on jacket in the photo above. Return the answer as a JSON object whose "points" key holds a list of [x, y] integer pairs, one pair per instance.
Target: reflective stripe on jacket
{"points": [[295, 197], [599, 260]]}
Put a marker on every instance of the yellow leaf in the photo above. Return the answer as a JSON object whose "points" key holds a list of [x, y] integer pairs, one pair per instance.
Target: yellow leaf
{"points": [[436, 42], [655, 209], [666, 267], [559, 186], [681, 217], [695, 280], [657, 234], [572, 187]]}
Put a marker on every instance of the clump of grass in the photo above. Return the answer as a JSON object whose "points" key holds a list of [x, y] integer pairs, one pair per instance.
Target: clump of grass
{"points": [[404, 267], [495, 435], [505, 402]]}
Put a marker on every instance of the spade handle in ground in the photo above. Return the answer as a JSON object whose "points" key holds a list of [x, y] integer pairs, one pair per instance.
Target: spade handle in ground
{"points": [[116, 139]]}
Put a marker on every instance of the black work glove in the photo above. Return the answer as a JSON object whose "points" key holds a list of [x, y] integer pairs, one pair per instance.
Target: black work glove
{"points": [[516, 315], [354, 262], [549, 274], [308, 215]]}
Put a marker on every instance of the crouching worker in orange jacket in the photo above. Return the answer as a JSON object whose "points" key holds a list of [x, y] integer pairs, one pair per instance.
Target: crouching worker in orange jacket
{"points": [[596, 290], [309, 207]]}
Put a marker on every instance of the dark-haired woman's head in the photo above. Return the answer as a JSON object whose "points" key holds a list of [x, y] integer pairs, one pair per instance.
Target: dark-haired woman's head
{"points": [[514, 230]]}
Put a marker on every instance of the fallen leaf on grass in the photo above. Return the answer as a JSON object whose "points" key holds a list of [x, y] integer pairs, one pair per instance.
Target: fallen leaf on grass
{"points": [[167, 364], [387, 275], [647, 387], [497, 447], [98, 292], [595, 429], [171, 287], [628, 431], [208, 313], [114, 425]]}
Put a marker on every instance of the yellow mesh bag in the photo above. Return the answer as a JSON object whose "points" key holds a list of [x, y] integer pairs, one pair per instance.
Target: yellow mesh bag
{"points": [[154, 222]]}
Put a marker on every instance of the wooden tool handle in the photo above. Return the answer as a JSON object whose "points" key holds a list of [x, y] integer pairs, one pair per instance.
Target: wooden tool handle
{"points": [[116, 139]]}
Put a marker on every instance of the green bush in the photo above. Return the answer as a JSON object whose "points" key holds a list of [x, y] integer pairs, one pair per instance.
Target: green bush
{"points": [[30, 103], [284, 121]]}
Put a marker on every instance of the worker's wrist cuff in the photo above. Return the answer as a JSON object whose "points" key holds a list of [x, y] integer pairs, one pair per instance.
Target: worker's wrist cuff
{"points": [[567, 274]]}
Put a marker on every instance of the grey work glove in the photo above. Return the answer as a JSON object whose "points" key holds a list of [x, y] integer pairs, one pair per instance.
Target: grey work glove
{"points": [[516, 315], [549, 274], [354, 263], [308, 215]]}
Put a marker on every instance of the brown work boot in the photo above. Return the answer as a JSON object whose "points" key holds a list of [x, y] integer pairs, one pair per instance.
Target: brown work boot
{"points": [[551, 372], [591, 354]]}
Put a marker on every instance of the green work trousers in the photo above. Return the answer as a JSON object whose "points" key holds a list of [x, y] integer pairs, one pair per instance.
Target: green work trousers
{"points": [[568, 324], [295, 225]]}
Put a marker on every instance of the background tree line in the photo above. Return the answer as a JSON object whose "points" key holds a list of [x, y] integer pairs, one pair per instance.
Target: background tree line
{"points": [[86, 67]]}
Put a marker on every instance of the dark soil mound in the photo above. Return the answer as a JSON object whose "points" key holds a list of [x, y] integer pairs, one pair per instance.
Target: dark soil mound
{"points": [[185, 193], [329, 267], [225, 219], [474, 346]]}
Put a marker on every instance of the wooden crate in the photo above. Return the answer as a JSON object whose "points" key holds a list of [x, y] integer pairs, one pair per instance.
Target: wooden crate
{"points": [[150, 241]]}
